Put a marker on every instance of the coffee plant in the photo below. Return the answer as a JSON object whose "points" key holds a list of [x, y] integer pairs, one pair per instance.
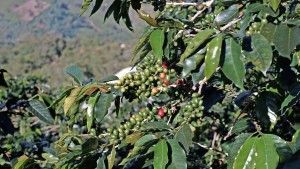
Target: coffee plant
{"points": [[216, 86]]}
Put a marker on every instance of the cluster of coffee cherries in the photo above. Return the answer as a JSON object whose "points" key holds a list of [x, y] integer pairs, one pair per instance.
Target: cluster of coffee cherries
{"points": [[255, 27], [136, 121], [192, 111], [207, 20], [158, 4], [151, 78]]}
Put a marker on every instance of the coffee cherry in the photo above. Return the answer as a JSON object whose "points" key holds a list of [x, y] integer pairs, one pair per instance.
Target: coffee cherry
{"points": [[161, 112], [167, 83], [154, 91], [165, 65], [162, 75]]}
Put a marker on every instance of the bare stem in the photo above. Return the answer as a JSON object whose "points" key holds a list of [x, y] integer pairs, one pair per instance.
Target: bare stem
{"points": [[183, 3], [206, 5]]}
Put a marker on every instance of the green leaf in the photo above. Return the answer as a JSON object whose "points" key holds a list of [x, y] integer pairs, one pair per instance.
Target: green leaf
{"points": [[133, 138], [40, 110], [100, 163], [266, 108], [286, 39], [283, 149], [50, 158], [240, 125], [111, 158], [109, 78], [76, 73], [178, 155], [296, 59], [85, 5], [294, 162], [246, 155], [141, 42], [235, 146], [255, 7], [160, 155], [21, 162], [62, 96], [195, 43], [212, 57], [90, 109], [145, 139], [291, 99], [157, 125], [96, 7], [127, 20], [111, 9], [267, 157], [196, 77], [190, 64], [268, 30], [274, 4], [70, 100], [185, 136], [227, 15], [102, 105], [233, 67], [156, 39], [89, 145], [262, 54]]}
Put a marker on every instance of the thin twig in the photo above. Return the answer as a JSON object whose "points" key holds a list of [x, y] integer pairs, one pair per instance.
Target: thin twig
{"points": [[213, 146], [209, 148], [229, 24], [206, 6], [201, 83], [183, 3]]}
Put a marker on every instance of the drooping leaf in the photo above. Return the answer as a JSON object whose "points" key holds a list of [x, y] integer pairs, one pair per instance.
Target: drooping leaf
{"points": [[40, 110], [85, 5], [185, 136], [90, 109], [227, 15], [102, 105], [160, 155], [196, 77], [133, 138], [274, 4], [76, 73], [109, 78], [21, 162], [240, 125], [111, 158], [212, 57], [286, 39], [141, 42], [233, 67], [195, 43], [246, 155], [101, 163], [146, 17], [97, 6], [291, 99], [267, 157], [62, 96], [71, 99], [178, 155], [89, 145], [156, 40], [111, 9], [262, 54], [127, 20]]}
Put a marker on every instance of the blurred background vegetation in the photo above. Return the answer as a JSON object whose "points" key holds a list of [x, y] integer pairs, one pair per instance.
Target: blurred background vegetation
{"points": [[43, 37]]}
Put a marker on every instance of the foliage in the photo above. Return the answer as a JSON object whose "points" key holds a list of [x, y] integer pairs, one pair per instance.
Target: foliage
{"points": [[216, 85]]}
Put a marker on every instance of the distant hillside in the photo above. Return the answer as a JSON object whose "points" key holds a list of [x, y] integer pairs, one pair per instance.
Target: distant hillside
{"points": [[45, 36]]}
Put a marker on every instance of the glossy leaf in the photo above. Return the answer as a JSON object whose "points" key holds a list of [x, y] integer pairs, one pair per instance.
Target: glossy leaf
{"points": [[196, 77], [109, 78], [90, 109], [133, 138], [111, 9], [102, 105], [235, 146], [268, 31], [227, 15], [156, 40], [286, 39], [294, 162], [111, 158], [190, 64], [233, 67], [283, 149], [178, 155], [185, 136], [40, 110], [291, 99], [262, 54], [71, 99], [97, 6], [100, 163], [76, 73], [85, 5], [246, 155], [240, 125], [267, 157], [21, 162], [195, 43], [160, 155], [212, 57], [146, 138], [255, 7], [89, 145], [146, 17]]}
